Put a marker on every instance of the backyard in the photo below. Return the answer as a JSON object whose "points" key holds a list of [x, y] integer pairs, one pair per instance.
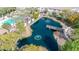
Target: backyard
{"points": [[32, 35]]}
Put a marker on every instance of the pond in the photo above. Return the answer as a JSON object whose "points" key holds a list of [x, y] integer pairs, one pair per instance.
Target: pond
{"points": [[42, 36]]}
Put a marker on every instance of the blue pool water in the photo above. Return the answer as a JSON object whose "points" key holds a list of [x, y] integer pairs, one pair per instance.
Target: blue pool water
{"points": [[9, 21], [42, 36]]}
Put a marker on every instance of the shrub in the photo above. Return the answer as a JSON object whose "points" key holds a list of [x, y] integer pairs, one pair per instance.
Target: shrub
{"points": [[20, 26], [72, 45], [8, 41]]}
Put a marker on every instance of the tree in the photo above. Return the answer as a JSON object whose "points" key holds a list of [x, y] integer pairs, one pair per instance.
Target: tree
{"points": [[35, 14], [5, 10], [20, 27], [73, 17]]}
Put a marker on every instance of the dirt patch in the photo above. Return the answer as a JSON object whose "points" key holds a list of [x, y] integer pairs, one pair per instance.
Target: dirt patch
{"points": [[27, 32]]}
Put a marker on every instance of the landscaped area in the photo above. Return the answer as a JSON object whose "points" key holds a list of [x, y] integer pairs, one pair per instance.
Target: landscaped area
{"points": [[25, 29]]}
